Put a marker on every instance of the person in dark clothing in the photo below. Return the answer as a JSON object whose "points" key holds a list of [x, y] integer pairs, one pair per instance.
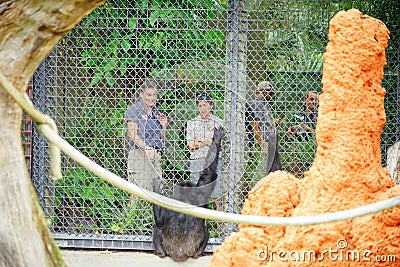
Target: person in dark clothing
{"points": [[259, 126], [306, 119]]}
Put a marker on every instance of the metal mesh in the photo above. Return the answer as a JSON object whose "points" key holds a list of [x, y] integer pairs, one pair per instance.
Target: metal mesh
{"points": [[93, 75]]}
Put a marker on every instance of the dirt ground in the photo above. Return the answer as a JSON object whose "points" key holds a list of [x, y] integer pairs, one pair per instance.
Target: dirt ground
{"points": [[113, 258]]}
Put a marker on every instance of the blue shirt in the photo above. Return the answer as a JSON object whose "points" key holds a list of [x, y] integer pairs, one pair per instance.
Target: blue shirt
{"points": [[149, 127]]}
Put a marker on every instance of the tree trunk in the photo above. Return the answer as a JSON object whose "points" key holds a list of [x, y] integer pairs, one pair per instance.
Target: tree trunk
{"points": [[28, 31]]}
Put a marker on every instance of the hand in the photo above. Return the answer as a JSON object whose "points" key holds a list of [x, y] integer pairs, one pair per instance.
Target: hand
{"points": [[308, 129], [277, 121], [150, 152], [203, 141], [162, 118], [291, 131], [207, 141]]}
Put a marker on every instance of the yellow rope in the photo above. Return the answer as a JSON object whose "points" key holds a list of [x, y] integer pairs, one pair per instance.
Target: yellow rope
{"points": [[40, 119]]}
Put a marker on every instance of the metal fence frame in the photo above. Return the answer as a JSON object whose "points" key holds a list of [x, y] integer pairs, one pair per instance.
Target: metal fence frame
{"points": [[46, 81]]}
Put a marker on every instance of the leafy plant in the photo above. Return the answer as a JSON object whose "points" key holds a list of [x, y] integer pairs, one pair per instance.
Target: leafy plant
{"points": [[99, 132], [83, 191], [138, 217], [149, 33], [297, 156]]}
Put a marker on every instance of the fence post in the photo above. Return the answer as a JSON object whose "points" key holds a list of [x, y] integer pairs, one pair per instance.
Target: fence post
{"points": [[40, 157], [234, 100]]}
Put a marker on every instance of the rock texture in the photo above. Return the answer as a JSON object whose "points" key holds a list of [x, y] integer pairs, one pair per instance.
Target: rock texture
{"points": [[346, 172]]}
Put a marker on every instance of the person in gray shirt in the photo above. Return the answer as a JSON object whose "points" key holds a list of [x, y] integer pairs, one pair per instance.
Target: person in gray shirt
{"points": [[259, 126], [258, 121], [146, 128]]}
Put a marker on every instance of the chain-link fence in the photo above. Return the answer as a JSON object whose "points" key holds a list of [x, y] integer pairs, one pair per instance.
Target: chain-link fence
{"points": [[94, 74]]}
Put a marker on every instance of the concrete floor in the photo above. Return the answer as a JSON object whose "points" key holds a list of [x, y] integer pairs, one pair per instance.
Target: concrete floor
{"points": [[106, 258]]}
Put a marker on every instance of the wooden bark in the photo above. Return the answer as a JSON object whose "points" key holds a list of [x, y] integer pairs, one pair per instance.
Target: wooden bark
{"points": [[28, 31]]}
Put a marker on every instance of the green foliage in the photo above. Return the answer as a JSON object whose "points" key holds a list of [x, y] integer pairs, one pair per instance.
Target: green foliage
{"points": [[83, 191], [98, 131], [390, 131], [296, 34], [138, 216], [212, 225], [294, 51], [298, 155], [255, 168], [100, 202], [148, 33]]}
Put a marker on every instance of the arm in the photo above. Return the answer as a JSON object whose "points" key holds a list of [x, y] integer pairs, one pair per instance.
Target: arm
{"points": [[134, 135], [191, 143], [277, 122], [257, 131], [199, 142], [297, 125], [253, 120], [163, 132], [259, 137], [195, 142], [133, 119], [162, 118]]}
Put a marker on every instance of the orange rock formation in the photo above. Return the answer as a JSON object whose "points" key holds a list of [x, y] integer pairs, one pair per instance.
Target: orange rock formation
{"points": [[346, 172]]}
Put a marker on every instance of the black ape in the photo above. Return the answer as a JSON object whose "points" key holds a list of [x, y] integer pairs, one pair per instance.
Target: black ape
{"points": [[178, 235]]}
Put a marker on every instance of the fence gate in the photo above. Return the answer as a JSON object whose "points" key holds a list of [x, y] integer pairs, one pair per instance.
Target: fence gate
{"points": [[93, 75]]}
